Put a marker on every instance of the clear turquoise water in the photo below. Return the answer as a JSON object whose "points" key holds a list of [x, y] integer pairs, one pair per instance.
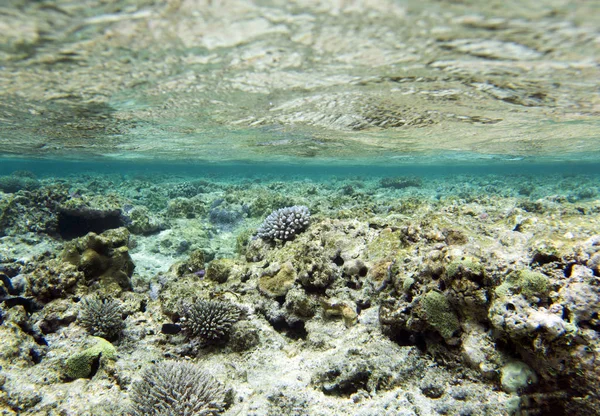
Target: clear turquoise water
{"points": [[58, 168]]}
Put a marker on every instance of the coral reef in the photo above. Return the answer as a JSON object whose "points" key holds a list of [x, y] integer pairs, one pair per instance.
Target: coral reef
{"points": [[439, 314], [139, 220], [208, 321], [400, 182], [104, 260], [284, 223], [177, 388], [101, 317], [446, 298], [34, 211], [226, 216], [19, 180], [219, 270]]}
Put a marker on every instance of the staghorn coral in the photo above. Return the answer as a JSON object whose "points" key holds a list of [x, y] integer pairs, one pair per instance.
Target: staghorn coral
{"points": [[101, 317], [176, 388], [208, 321]]}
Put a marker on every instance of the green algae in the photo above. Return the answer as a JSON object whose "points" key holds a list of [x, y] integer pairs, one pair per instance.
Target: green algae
{"points": [[439, 314], [464, 267], [81, 364]]}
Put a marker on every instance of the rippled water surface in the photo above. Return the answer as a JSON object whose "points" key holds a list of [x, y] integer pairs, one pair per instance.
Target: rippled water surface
{"points": [[291, 81]]}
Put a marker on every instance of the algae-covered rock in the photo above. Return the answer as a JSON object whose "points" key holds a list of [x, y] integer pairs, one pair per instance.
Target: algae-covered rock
{"points": [[193, 264], [386, 245], [299, 305], [439, 314], [266, 201], [17, 347], [256, 250], [104, 259], [219, 270], [242, 240], [53, 279], [317, 274], [244, 336], [142, 222], [277, 280], [34, 211], [18, 181], [465, 267], [189, 287], [83, 363], [533, 284], [186, 208], [580, 296], [342, 309]]}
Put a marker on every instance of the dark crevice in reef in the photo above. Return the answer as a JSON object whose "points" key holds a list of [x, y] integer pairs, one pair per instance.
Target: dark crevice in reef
{"points": [[95, 366], [348, 385], [362, 304], [37, 337], [77, 223], [50, 326], [295, 330], [406, 338], [557, 398], [539, 259], [548, 397], [29, 304], [35, 356]]}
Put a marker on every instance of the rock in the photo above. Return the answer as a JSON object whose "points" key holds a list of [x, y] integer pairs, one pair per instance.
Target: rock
{"points": [[342, 309], [104, 259], [516, 375], [244, 336], [219, 270], [84, 364], [439, 314], [142, 222], [277, 280]]}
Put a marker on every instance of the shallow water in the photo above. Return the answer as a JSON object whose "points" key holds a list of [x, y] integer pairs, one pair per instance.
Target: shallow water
{"points": [[278, 81], [448, 154]]}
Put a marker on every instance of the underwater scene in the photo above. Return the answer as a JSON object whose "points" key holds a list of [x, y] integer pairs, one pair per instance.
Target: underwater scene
{"points": [[299, 207]]}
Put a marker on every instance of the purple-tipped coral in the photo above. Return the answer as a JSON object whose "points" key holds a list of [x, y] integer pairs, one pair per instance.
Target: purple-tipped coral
{"points": [[284, 223]]}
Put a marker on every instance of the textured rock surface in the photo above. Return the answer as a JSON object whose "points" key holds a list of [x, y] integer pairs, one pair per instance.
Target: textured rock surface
{"points": [[463, 295]]}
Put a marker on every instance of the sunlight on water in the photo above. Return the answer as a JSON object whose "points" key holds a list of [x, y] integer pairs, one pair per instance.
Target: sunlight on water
{"points": [[297, 81]]}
